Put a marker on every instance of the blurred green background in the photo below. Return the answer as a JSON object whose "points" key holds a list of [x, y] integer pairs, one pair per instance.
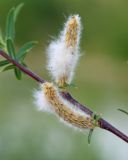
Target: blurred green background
{"points": [[101, 77]]}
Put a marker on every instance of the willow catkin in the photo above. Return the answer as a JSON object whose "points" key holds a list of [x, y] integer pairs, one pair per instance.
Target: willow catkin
{"points": [[63, 53], [68, 114]]}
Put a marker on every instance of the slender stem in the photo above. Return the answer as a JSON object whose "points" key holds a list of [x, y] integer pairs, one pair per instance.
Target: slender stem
{"points": [[102, 123], [22, 68]]}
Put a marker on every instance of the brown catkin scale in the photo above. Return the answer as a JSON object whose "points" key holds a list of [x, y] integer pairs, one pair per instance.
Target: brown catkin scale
{"points": [[63, 111], [71, 33]]}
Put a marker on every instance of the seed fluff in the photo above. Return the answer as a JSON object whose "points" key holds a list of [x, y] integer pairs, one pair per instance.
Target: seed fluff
{"points": [[63, 53]]}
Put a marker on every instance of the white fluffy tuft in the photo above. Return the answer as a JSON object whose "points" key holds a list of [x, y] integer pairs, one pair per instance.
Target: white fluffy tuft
{"points": [[60, 61], [41, 101]]}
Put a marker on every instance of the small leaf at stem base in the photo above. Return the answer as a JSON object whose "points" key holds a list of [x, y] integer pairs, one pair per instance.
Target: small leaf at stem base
{"points": [[4, 62], [18, 73], [123, 111], [90, 135]]}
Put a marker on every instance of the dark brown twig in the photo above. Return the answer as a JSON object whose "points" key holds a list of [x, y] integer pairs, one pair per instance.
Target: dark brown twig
{"points": [[102, 123]]}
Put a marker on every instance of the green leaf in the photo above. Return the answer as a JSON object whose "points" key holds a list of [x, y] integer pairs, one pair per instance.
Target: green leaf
{"points": [[9, 67], [18, 73], [72, 85], [11, 19], [2, 43], [10, 24], [10, 48], [123, 111], [17, 11], [25, 49], [2, 46], [90, 135], [24, 64], [3, 63], [1, 37]]}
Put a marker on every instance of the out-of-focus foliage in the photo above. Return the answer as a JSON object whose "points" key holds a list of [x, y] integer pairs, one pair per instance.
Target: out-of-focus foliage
{"points": [[101, 77]]}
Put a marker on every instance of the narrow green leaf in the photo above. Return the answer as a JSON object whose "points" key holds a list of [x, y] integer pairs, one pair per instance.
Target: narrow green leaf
{"points": [[24, 64], [2, 43], [11, 19], [72, 85], [25, 49], [18, 73], [17, 11], [9, 67], [3, 63], [10, 48], [123, 111], [10, 24], [1, 37], [90, 135], [2, 46]]}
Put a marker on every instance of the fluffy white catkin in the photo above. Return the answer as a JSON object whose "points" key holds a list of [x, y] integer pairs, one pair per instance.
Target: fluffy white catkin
{"points": [[49, 99], [63, 53]]}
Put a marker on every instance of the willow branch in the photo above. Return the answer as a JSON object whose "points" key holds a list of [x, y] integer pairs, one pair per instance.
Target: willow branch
{"points": [[102, 123]]}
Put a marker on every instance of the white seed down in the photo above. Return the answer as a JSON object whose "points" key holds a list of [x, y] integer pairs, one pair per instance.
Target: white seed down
{"points": [[63, 53]]}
